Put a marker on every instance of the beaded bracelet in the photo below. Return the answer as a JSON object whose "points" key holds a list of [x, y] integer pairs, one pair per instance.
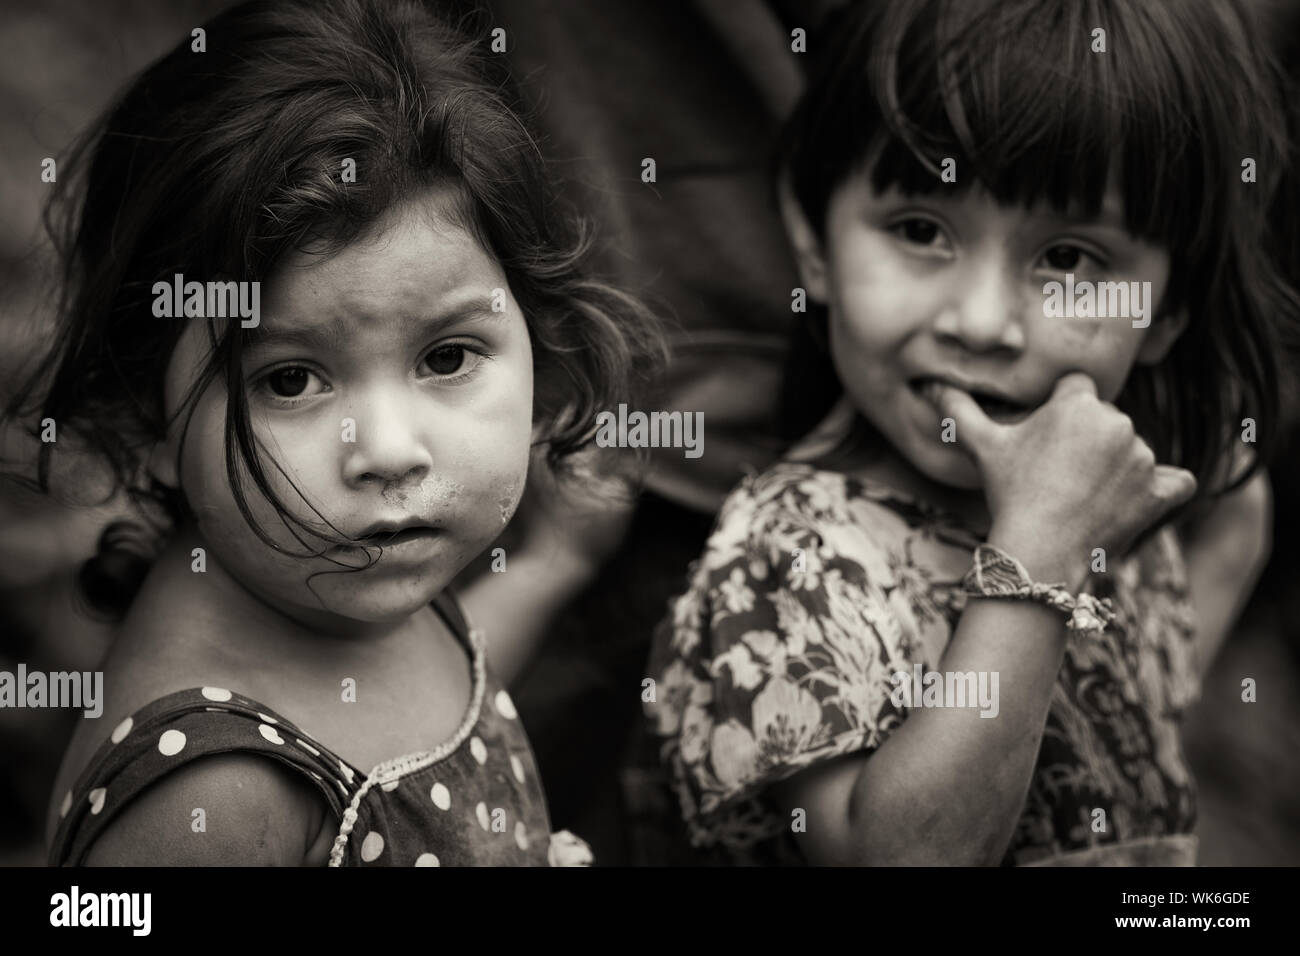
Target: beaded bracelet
{"points": [[997, 574]]}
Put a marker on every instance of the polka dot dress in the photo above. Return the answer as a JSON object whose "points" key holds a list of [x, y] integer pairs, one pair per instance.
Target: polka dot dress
{"points": [[474, 800]]}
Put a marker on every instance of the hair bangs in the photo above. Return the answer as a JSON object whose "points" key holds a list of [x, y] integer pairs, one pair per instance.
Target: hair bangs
{"points": [[1172, 110], [953, 87]]}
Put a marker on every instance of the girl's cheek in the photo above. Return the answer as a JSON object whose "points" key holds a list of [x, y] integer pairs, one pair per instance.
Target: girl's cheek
{"points": [[203, 466], [509, 491], [500, 471], [206, 483], [1075, 335], [1104, 351], [494, 444], [876, 293], [311, 451]]}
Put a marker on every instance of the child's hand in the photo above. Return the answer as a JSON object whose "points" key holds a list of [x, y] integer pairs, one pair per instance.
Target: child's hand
{"points": [[1071, 477]]}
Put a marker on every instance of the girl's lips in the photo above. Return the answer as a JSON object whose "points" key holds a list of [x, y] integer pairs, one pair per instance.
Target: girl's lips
{"points": [[387, 538], [412, 543], [1002, 410]]}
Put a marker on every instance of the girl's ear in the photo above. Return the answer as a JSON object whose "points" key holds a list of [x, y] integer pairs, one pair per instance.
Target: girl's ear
{"points": [[808, 252], [1161, 337]]}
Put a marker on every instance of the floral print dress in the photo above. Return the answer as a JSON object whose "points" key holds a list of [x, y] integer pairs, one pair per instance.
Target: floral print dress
{"points": [[816, 587]]}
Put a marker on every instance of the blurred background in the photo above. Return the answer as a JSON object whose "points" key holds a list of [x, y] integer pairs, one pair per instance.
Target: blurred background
{"points": [[701, 85]]}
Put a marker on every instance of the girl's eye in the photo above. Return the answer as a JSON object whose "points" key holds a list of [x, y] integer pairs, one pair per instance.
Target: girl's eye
{"points": [[1067, 258], [447, 360], [291, 381], [919, 232]]}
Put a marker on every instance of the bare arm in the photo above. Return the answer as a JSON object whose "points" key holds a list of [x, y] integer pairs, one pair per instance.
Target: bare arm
{"points": [[515, 608], [556, 545], [255, 813], [947, 787]]}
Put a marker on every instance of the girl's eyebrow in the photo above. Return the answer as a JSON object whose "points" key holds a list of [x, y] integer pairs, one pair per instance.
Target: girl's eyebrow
{"points": [[336, 334]]}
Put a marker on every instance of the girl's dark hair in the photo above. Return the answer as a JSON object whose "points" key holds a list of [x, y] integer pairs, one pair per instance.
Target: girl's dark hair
{"points": [[220, 163], [1184, 92]]}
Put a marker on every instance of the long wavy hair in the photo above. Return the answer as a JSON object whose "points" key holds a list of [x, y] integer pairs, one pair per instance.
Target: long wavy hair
{"points": [[223, 162]]}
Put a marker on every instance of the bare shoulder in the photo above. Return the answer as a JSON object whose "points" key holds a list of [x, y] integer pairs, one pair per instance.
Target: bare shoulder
{"points": [[137, 671], [254, 812], [157, 653]]}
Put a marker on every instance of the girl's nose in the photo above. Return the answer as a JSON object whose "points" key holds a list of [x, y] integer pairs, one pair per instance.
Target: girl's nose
{"points": [[987, 311], [387, 446]]}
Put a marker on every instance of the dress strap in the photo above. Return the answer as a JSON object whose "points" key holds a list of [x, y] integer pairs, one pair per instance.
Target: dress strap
{"points": [[450, 610]]}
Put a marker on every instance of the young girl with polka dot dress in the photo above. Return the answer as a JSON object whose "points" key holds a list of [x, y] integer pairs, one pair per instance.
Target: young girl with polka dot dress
{"points": [[294, 682]]}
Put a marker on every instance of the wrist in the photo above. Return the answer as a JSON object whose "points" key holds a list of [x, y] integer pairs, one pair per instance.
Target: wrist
{"points": [[1045, 556], [995, 573]]}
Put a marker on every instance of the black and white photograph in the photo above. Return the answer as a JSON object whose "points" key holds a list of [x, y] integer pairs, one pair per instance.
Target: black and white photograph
{"points": [[662, 436]]}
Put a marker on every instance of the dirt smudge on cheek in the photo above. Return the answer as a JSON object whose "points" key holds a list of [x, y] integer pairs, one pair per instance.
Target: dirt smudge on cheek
{"points": [[508, 500], [434, 495], [507, 506]]}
